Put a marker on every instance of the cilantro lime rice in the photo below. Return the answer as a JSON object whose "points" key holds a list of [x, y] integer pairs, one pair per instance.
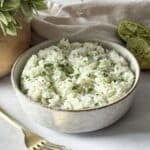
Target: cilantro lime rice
{"points": [[76, 76]]}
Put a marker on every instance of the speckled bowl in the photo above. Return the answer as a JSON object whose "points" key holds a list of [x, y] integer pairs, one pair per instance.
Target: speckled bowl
{"points": [[75, 121]]}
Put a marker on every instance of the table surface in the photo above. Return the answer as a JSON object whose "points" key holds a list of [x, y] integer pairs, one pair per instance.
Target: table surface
{"points": [[132, 132]]}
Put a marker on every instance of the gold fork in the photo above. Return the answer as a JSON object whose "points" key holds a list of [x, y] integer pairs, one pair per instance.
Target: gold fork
{"points": [[32, 140]]}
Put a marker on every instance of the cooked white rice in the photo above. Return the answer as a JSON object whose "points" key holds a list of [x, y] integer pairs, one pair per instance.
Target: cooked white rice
{"points": [[76, 76]]}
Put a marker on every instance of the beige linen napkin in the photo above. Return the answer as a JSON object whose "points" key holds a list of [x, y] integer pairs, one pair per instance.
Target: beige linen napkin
{"points": [[96, 19]]}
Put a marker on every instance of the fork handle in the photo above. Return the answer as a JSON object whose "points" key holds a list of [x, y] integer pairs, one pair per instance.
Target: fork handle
{"points": [[10, 119]]}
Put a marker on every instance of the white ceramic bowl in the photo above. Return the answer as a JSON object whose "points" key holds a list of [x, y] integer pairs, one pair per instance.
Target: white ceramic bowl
{"points": [[75, 121]]}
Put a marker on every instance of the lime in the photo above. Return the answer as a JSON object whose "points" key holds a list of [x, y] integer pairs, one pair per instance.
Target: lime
{"points": [[141, 50], [128, 29]]}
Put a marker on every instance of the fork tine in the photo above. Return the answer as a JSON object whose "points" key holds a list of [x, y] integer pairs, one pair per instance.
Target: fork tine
{"points": [[45, 147], [53, 145], [48, 148], [35, 148], [51, 148], [39, 148], [59, 147]]}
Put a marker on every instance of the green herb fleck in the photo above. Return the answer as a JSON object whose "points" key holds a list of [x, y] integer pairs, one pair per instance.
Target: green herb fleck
{"points": [[66, 68], [48, 66]]}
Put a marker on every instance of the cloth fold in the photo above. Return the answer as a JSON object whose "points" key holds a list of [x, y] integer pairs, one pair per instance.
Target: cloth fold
{"points": [[93, 19]]}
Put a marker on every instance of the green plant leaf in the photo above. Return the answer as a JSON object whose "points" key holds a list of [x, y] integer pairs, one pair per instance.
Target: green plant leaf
{"points": [[9, 5], [8, 16], [11, 29], [2, 3], [27, 10], [8, 9], [3, 28], [3, 18], [39, 5]]}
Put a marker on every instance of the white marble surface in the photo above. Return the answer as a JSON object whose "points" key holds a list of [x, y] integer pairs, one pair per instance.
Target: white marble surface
{"points": [[130, 133]]}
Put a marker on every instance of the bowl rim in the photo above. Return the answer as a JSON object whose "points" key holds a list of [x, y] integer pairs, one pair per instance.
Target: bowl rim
{"points": [[136, 81]]}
